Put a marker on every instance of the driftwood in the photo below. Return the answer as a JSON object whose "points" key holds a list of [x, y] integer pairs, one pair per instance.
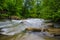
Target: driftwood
{"points": [[36, 29], [14, 17], [53, 31]]}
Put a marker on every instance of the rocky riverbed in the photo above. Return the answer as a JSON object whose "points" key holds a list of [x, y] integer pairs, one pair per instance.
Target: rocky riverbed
{"points": [[15, 30]]}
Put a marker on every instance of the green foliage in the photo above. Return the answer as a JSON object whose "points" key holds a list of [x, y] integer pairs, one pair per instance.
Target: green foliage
{"points": [[47, 9], [50, 9]]}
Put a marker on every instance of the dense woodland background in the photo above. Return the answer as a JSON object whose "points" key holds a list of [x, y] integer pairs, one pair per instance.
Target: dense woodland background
{"points": [[47, 9]]}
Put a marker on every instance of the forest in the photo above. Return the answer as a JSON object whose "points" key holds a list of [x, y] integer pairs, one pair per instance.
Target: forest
{"points": [[29, 19], [46, 9]]}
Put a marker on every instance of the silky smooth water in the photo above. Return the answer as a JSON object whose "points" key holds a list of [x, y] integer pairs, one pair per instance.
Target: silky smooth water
{"points": [[15, 30]]}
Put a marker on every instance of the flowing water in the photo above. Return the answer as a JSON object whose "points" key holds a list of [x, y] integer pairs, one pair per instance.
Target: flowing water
{"points": [[15, 30]]}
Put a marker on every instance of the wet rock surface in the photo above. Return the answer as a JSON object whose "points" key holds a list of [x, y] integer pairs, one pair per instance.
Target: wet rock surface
{"points": [[15, 30]]}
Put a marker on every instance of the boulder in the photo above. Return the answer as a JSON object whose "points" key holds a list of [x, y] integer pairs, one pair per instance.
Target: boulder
{"points": [[50, 24]]}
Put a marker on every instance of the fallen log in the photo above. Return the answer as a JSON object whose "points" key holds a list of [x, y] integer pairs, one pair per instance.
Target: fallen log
{"points": [[33, 29], [14, 18], [36, 29], [53, 31]]}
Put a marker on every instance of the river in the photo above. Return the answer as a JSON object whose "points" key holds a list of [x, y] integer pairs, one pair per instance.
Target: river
{"points": [[15, 30]]}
